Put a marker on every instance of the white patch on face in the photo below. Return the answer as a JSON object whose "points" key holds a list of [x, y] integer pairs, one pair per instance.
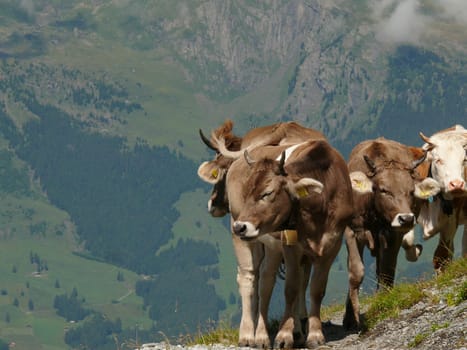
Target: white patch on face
{"points": [[210, 205], [429, 218], [403, 218], [245, 229], [448, 161], [289, 151]]}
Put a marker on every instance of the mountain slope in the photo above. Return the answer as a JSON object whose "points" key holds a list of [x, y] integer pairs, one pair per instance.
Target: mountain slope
{"points": [[101, 102]]}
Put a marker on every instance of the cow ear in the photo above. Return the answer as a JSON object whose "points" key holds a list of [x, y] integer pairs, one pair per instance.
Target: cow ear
{"points": [[210, 172], [427, 188], [303, 187], [360, 182]]}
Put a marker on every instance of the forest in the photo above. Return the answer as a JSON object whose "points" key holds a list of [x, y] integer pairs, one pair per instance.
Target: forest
{"points": [[121, 200], [87, 90]]}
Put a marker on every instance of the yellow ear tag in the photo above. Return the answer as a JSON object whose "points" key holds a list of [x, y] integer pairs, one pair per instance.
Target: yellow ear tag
{"points": [[302, 192], [289, 237], [215, 173], [358, 184]]}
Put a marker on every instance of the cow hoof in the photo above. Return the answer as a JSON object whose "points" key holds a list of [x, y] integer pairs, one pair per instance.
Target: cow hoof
{"points": [[246, 342], [350, 323], [262, 342], [283, 341], [314, 340], [299, 340]]}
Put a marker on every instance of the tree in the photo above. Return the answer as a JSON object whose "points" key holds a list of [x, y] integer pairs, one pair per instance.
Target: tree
{"points": [[30, 305], [16, 302], [120, 277]]}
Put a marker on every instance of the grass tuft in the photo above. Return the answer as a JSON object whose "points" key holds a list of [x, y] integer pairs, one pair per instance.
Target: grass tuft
{"points": [[389, 303], [380, 306], [223, 333]]}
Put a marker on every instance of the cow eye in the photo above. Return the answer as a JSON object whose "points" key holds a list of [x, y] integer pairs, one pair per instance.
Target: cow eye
{"points": [[383, 191], [266, 194], [439, 161]]}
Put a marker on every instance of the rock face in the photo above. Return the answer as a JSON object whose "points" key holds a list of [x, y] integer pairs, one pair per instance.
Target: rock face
{"points": [[321, 60], [239, 45]]}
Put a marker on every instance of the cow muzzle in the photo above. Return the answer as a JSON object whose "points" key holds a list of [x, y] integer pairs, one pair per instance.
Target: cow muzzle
{"points": [[244, 229], [403, 220], [456, 187]]}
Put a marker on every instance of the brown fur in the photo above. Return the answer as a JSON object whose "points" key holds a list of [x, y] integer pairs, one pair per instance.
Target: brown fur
{"points": [[320, 219], [253, 331], [232, 141], [395, 176]]}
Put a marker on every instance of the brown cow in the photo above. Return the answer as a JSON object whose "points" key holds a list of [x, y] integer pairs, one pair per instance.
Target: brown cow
{"points": [[308, 189], [256, 260], [447, 154], [386, 190]]}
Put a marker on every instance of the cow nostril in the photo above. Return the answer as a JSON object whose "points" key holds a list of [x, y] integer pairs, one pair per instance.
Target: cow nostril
{"points": [[456, 185], [239, 228], [406, 219]]}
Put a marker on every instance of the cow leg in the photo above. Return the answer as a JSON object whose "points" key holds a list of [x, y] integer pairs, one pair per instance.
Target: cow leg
{"points": [[386, 259], [268, 271], [284, 338], [356, 271], [249, 256], [445, 249], [318, 283], [412, 252], [301, 313]]}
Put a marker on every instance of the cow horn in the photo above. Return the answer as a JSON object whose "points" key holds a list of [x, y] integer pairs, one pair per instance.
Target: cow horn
{"points": [[206, 141], [419, 161], [429, 145], [281, 164], [248, 159], [370, 163]]}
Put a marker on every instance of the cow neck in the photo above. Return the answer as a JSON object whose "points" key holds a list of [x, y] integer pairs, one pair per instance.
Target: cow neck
{"points": [[445, 204], [291, 222]]}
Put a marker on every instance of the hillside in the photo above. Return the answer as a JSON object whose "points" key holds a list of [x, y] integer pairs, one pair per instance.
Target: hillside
{"points": [[428, 314], [100, 106]]}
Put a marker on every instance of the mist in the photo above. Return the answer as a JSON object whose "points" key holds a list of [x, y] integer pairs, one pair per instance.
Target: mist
{"points": [[408, 21]]}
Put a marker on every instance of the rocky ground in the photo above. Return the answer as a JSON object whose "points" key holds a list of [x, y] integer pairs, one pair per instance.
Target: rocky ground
{"points": [[423, 326]]}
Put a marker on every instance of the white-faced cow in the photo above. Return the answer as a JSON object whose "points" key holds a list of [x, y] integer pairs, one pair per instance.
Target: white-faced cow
{"points": [[447, 154], [258, 260], [387, 188], [305, 187]]}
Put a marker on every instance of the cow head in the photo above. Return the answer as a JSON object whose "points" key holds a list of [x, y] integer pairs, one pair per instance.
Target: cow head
{"points": [[393, 189], [267, 197], [214, 171], [447, 152]]}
